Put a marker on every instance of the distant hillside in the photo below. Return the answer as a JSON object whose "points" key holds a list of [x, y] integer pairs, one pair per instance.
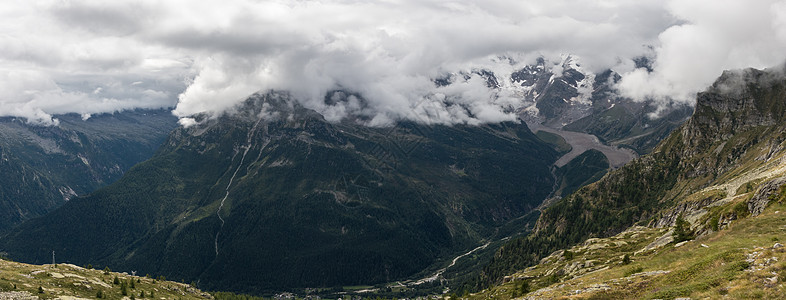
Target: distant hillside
{"points": [[43, 167]]}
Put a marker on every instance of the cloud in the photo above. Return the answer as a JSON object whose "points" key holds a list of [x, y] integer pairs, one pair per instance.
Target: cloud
{"points": [[91, 57], [715, 36], [391, 52], [58, 57]]}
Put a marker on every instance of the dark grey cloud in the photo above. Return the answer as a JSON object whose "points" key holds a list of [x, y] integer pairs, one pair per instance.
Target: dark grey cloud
{"points": [[113, 18]]}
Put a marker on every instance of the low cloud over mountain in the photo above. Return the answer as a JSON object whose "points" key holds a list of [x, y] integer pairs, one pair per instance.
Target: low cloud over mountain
{"points": [[91, 57]]}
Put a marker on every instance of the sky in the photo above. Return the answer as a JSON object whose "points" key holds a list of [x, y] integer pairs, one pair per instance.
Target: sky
{"points": [[91, 57]]}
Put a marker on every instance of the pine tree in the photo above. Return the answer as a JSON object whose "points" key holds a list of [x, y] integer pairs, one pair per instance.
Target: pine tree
{"points": [[682, 230]]}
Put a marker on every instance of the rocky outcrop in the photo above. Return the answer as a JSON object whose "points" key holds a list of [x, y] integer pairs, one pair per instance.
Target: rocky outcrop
{"points": [[759, 201], [736, 102], [690, 211]]}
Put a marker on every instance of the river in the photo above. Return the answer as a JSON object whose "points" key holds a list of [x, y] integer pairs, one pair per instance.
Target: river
{"points": [[582, 142]]}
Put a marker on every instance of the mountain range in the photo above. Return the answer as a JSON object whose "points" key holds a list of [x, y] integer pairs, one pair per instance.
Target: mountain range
{"points": [[273, 197], [563, 95]]}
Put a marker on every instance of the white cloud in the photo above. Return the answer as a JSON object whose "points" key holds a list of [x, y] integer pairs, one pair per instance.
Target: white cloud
{"points": [[55, 58], [716, 36], [206, 56]]}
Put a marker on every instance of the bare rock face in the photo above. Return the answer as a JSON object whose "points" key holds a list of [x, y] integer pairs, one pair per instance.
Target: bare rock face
{"points": [[759, 201], [661, 241], [737, 102]]}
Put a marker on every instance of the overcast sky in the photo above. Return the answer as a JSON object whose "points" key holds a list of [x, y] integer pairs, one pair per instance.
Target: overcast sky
{"points": [[92, 57]]}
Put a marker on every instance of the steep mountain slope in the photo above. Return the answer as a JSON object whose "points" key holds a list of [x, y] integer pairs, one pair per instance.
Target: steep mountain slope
{"points": [[733, 142], [43, 167], [743, 261], [274, 197]]}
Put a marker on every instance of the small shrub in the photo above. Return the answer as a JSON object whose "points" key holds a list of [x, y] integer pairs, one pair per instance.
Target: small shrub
{"points": [[100, 294], [568, 255], [40, 289], [723, 291], [741, 209], [740, 265], [89, 267], [116, 280], [552, 279], [524, 287], [633, 270], [107, 270], [626, 259]]}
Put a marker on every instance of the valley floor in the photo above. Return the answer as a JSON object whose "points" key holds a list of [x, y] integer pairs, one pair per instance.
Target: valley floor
{"points": [[582, 142]]}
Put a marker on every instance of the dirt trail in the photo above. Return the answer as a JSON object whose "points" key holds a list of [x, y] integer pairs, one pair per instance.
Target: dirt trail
{"points": [[582, 142]]}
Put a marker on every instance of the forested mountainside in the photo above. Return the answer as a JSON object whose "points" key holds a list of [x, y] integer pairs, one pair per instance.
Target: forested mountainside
{"points": [[274, 197]]}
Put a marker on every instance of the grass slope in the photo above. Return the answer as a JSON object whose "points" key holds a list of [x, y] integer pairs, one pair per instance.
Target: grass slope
{"points": [[70, 282], [743, 261]]}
